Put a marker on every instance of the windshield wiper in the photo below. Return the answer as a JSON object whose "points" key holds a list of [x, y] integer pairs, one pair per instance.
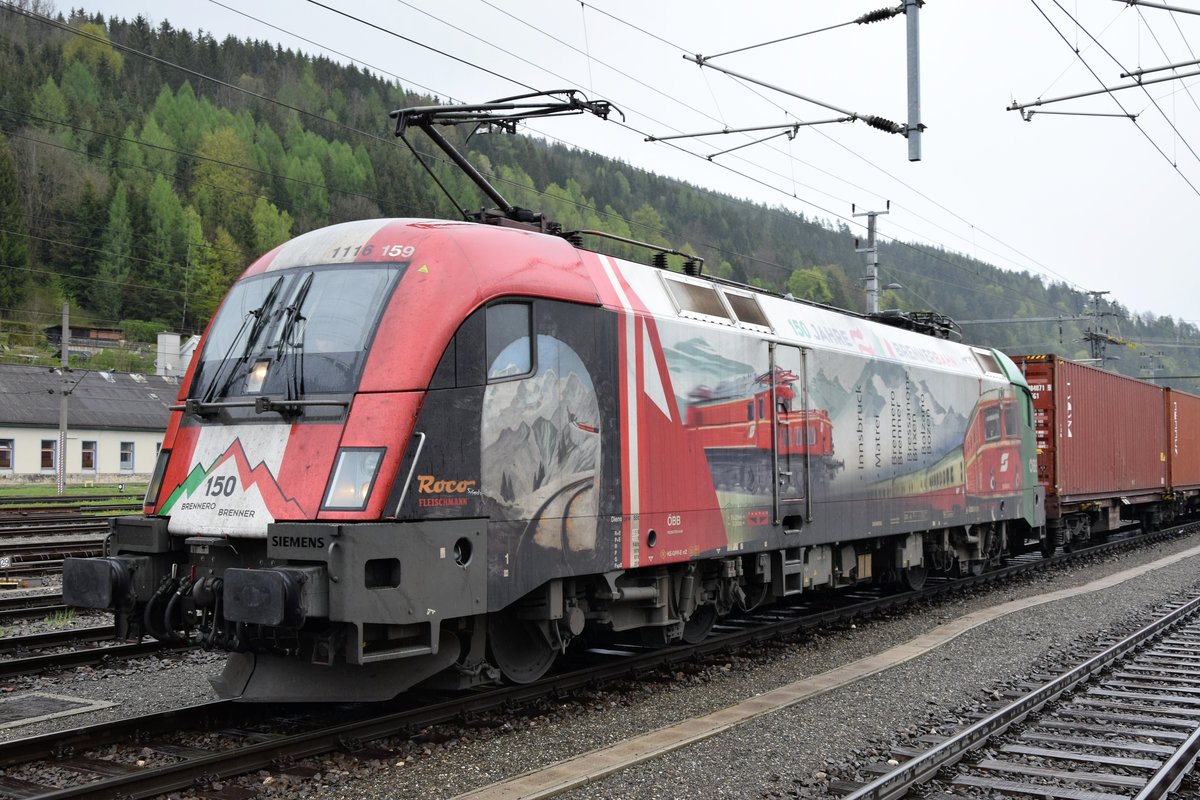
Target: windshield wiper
{"points": [[260, 323], [294, 349]]}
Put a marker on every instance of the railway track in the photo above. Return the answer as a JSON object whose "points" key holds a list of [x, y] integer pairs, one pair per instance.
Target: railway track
{"points": [[30, 547], [52, 526], [45, 651], [245, 747], [30, 606], [1123, 724], [58, 638], [83, 656]]}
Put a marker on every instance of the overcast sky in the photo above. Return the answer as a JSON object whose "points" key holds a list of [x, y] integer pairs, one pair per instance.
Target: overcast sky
{"points": [[1103, 203]]}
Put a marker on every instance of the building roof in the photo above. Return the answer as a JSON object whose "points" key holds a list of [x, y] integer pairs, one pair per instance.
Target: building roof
{"points": [[29, 397]]}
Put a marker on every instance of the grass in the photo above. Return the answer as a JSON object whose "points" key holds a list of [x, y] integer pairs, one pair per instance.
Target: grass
{"points": [[61, 619], [50, 490]]}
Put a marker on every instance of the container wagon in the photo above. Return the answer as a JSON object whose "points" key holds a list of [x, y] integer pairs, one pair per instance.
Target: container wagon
{"points": [[1102, 448]]}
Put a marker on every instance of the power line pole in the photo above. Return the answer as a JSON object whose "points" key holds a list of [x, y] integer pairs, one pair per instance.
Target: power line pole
{"points": [[1094, 335], [1097, 335], [65, 352], [914, 127], [872, 251]]}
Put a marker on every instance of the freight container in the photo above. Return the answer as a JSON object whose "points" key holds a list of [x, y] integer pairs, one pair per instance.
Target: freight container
{"points": [[1102, 444], [1183, 442]]}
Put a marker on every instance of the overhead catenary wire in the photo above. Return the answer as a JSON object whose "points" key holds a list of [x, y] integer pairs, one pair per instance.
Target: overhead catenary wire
{"points": [[660, 39], [674, 98], [1099, 80], [679, 48], [825, 210]]}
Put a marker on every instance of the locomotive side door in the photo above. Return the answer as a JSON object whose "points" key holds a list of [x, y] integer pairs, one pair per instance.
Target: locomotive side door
{"points": [[790, 439]]}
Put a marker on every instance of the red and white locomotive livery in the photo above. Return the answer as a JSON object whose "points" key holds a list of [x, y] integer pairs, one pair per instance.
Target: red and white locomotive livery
{"points": [[427, 452], [416, 450]]}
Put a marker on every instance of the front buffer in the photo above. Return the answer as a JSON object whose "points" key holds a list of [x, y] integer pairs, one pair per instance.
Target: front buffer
{"points": [[315, 613]]}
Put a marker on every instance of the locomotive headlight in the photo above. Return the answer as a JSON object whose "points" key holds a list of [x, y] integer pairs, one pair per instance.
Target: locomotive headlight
{"points": [[353, 476], [256, 377]]}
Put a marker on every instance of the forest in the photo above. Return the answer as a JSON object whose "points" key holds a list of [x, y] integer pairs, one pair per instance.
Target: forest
{"points": [[143, 168]]}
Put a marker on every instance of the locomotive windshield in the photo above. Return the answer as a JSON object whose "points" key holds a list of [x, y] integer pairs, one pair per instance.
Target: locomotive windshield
{"points": [[293, 333]]}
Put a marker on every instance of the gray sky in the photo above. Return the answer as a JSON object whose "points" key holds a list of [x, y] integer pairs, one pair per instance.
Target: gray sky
{"points": [[1097, 202]]}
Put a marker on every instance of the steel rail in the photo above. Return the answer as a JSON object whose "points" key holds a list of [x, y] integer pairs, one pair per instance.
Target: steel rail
{"points": [[20, 602], [32, 612], [59, 499], [895, 784], [59, 638], [30, 665]]}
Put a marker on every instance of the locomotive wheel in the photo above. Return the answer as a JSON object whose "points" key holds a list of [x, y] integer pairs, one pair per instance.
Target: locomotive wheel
{"points": [[913, 578], [696, 629], [1049, 545], [518, 647]]}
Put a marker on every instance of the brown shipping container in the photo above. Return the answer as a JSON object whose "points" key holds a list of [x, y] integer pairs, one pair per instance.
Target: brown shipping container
{"points": [[1099, 434], [1183, 444]]}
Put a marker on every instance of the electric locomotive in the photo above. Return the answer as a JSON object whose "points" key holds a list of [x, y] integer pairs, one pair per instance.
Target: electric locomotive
{"points": [[417, 451]]}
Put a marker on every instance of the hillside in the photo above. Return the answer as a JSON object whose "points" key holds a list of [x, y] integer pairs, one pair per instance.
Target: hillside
{"points": [[141, 169]]}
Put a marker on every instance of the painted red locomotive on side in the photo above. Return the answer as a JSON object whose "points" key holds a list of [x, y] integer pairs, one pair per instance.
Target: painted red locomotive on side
{"points": [[742, 423]]}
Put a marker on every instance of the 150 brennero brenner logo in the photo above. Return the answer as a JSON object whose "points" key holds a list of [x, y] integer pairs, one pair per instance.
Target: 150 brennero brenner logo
{"points": [[433, 491]]}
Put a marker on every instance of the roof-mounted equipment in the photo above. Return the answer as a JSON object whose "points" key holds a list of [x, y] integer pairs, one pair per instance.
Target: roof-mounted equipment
{"points": [[929, 323], [500, 115]]}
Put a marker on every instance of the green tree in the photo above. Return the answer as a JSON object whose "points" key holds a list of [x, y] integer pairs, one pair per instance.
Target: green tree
{"points": [[271, 226], [14, 249], [113, 268], [92, 48], [229, 255], [647, 225], [130, 163], [223, 188], [159, 150], [159, 276], [204, 281], [49, 104], [82, 94], [809, 284], [307, 195]]}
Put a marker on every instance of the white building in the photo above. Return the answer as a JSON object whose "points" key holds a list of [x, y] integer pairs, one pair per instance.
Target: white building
{"points": [[115, 423]]}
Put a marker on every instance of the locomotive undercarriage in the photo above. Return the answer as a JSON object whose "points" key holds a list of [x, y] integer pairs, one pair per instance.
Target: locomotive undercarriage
{"points": [[341, 623], [1077, 524]]}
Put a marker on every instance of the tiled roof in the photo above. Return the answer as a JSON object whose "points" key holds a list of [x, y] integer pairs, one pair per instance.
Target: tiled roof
{"points": [[29, 397]]}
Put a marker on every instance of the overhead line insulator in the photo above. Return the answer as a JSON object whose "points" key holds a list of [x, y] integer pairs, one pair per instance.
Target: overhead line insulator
{"points": [[882, 123], [879, 15]]}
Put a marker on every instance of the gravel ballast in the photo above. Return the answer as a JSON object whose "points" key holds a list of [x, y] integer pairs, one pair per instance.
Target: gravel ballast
{"points": [[789, 753]]}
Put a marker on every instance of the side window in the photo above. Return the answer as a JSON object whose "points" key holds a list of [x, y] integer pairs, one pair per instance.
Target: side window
{"points": [[126, 456], [509, 341], [1011, 423], [991, 424], [495, 343], [696, 298]]}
